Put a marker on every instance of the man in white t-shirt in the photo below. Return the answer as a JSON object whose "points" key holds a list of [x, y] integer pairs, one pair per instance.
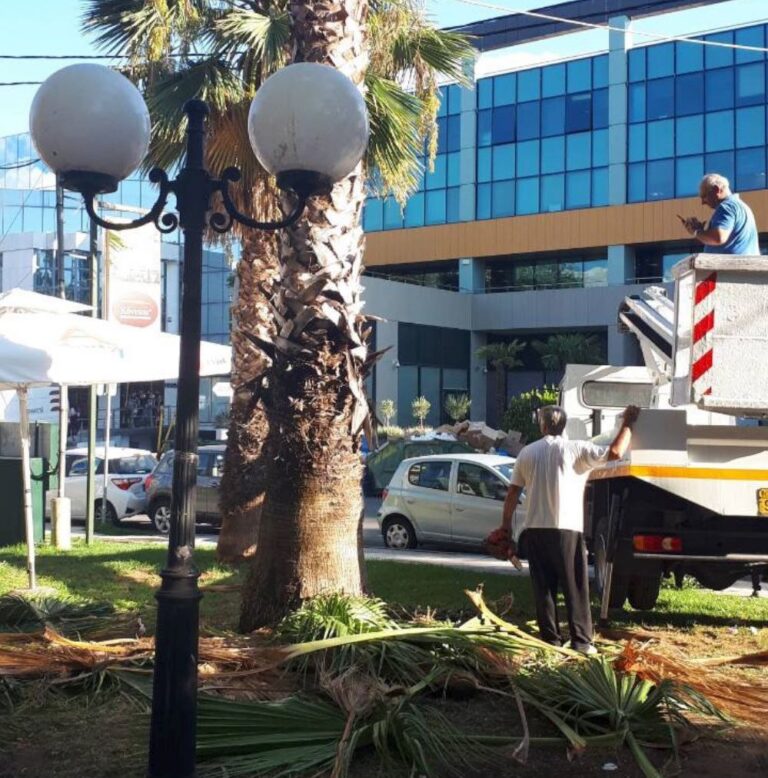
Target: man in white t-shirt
{"points": [[553, 471]]}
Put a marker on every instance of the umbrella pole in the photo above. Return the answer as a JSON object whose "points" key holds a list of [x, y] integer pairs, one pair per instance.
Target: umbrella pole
{"points": [[27, 483]]}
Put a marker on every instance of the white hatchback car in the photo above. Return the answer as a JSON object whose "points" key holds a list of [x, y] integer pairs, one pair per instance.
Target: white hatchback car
{"points": [[447, 498], [127, 469]]}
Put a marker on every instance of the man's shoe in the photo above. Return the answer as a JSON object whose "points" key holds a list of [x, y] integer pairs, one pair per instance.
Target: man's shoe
{"points": [[589, 650]]}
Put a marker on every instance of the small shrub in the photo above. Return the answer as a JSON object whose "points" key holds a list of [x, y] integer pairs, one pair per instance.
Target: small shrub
{"points": [[387, 409], [519, 413], [457, 406], [420, 408], [391, 432]]}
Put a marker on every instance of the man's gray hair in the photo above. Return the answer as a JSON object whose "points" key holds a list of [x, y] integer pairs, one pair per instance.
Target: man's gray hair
{"points": [[552, 419], [712, 180]]}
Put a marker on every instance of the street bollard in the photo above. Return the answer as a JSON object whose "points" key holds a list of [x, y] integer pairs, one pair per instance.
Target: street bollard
{"points": [[61, 523]]}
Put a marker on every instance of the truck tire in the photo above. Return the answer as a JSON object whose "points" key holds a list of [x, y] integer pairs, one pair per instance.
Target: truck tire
{"points": [[644, 591], [619, 582]]}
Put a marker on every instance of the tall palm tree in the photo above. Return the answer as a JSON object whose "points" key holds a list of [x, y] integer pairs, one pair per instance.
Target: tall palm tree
{"points": [[501, 357], [299, 338], [557, 351]]}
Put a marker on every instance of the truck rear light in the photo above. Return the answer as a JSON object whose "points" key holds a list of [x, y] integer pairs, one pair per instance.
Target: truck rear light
{"points": [[384, 494], [125, 483], [657, 544]]}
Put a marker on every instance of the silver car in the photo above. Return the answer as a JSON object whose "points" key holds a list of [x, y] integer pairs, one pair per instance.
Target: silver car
{"points": [[448, 498]]}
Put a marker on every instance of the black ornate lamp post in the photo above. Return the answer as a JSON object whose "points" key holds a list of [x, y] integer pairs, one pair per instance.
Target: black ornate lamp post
{"points": [[308, 127]]}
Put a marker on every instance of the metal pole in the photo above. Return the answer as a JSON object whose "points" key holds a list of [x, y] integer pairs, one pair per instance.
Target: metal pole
{"points": [[61, 290], [90, 487], [26, 477], [173, 730]]}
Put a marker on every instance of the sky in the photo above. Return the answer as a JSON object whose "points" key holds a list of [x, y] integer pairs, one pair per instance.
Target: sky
{"points": [[53, 27]]}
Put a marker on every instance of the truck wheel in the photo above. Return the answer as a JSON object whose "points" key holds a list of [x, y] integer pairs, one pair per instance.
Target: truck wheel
{"points": [[619, 583], [644, 591]]}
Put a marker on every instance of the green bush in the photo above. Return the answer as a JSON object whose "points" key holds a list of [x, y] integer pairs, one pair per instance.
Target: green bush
{"points": [[519, 413]]}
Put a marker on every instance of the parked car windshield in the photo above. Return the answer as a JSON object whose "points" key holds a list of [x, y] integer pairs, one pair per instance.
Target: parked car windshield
{"points": [[505, 470], [137, 464]]}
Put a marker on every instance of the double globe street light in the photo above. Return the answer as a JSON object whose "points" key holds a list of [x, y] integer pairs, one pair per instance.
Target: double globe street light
{"points": [[308, 127]]}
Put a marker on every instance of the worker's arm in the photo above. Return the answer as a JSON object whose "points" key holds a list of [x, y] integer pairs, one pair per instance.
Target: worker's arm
{"points": [[620, 444], [714, 236], [510, 503]]}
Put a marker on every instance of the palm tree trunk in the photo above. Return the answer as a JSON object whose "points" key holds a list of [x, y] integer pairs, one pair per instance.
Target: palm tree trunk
{"points": [[310, 527], [243, 482]]}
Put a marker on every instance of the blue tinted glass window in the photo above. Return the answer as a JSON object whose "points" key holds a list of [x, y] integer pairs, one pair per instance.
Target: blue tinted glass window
{"points": [[454, 99], [719, 131], [484, 201], [661, 139], [553, 155], [442, 135], [578, 112], [688, 174], [750, 126], [443, 107], [454, 169], [750, 169], [718, 56], [485, 93], [689, 135], [452, 204], [660, 179], [435, 207], [437, 178], [393, 216], [504, 124], [636, 105], [721, 162], [578, 151], [637, 65], [552, 193], [661, 60], [454, 133], [636, 151], [527, 195], [414, 211], [750, 36], [553, 80], [503, 199], [484, 164], [528, 85], [690, 57], [528, 120], [577, 190], [719, 89], [599, 148], [750, 84], [580, 75], [553, 116], [504, 89], [504, 162], [689, 95], [484, 128], [600, 71], [660, 98], [636, 183], [600, 109], [600, 187], [528, 158], [373, 215]]}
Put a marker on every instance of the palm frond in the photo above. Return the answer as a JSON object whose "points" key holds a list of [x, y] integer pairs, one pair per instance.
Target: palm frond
{"points": [[441, 51], [68, 616]]}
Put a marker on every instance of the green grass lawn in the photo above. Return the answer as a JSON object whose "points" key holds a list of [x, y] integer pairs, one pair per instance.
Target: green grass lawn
{"points": [[125, 574]]}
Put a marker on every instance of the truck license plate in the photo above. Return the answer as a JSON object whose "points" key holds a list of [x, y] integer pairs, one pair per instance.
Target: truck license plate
{"points": [[762, 502]]}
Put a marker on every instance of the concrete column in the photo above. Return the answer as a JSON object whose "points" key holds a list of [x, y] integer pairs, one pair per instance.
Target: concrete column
{"points": [[468, 148], [621, 265], [170, 260], [619, 42], [478, 378], [471, 275], [386, 370]]}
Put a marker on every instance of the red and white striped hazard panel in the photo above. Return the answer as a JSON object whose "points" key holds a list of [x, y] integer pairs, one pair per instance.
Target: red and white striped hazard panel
{"points": [[703, 327]]}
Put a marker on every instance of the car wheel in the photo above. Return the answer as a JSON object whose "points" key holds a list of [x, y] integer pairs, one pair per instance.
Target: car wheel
{"points": [[160, 516], [111, 516], [619, 583], [398, 533], [644, 591]]}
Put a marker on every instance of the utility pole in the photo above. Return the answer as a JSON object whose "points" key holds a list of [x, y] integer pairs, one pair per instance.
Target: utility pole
{"points": [[90, 503]]}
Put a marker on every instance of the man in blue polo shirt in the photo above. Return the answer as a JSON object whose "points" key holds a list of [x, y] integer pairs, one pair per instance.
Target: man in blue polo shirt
{"points": [[731, 229]]}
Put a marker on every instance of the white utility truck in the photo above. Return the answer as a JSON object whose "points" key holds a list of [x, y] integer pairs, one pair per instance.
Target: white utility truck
{"points": [[691, 496]]}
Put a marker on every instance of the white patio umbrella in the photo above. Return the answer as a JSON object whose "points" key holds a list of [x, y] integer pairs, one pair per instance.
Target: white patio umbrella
{"points": [[42, 344]]}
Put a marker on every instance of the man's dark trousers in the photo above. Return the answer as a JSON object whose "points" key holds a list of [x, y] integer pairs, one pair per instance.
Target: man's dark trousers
{"points": [[558, 557]]}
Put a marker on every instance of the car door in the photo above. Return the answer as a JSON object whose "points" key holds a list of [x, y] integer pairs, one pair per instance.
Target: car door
{"points": [[477, 503], [427, 497], [203, 484], [76, 486]]}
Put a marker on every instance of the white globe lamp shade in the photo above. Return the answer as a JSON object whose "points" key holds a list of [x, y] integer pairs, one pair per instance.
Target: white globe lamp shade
{"points": [[308, 126], [90, 125]]}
